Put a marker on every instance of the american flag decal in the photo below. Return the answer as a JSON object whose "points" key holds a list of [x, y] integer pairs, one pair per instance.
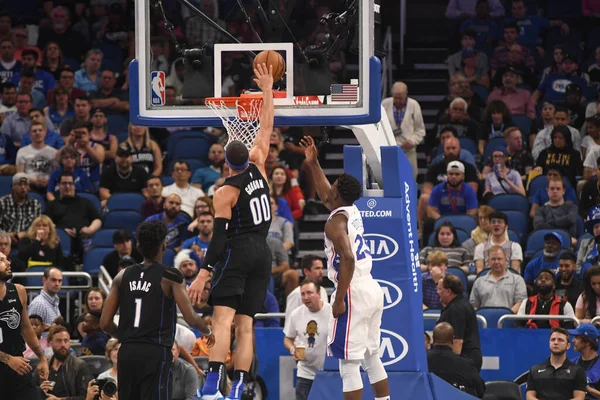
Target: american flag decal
{"points": [[344, 92]]}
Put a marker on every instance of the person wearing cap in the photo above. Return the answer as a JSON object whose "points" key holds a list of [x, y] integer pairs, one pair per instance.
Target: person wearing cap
{"points": [[557, 377], [68, 160], [452, 197], [568, 285], [546, 302], [109, 99], [187, 262], [37, 160], [503, 179], [573, 95], [540, 196], [123, 249], [585, 342], [123, 177], [561, 153], [467, 42], [556, 213], [554, 86], [516, 99], [543, 138], [547, 260], [17, 209], [498, 237]]}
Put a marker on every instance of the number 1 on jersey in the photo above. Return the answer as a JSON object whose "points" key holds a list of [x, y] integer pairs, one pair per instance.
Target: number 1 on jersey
{"points": [[138, 313]]}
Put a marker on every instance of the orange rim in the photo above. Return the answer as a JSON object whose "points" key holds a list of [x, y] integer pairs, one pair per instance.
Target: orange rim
{"points": [[233, 101]]}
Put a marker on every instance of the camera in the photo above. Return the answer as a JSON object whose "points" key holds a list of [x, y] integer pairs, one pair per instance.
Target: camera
{"points": [[106, 386]]}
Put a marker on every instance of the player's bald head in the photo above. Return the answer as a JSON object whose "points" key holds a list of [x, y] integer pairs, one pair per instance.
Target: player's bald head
{"points": [[443, 333]]}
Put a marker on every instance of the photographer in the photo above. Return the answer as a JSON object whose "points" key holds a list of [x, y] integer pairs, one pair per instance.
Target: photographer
{"points": [[94, 392]]}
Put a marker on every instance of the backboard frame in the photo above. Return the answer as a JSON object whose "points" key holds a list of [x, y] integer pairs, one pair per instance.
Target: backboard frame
{"points": [[366, 111]]}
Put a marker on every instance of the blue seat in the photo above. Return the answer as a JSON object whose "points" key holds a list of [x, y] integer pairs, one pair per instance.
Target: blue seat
{"points": [[537, 183], [103, 238], [580, 226], [65, 241], [581, 238], [518, 222], [117, 122], [122, 219], [514, 236], [93, 198], [504, 202], [167, 180], [121, 136], [493, 314], [125, 201], [38, 197], [5, 185], [481, 91], [523, 123], [535, 241], [189, 144], [168, 257], [468, 145], [460, 273], [461, 221], [271, 286], [492, 145], [430, 323], [194, 164], [462, 236], [92, 259]]}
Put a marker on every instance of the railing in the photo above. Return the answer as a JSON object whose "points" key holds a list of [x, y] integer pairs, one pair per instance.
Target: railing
{"points": [[402, 29], [104, 280], [480, 318], [387, 67], [595, 320], [66, 288], [525, 317]]}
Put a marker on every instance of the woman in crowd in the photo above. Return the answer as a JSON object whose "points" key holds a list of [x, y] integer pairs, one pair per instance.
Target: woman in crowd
{"points": [[562, 153], [52, 60], [503, 179], [146, 152], [496, 119], [111, 354], [588, 303], [482, 231], [41, 245], [94, 301], [446, 240], [281, 187], [203, 204], [68, 159], [62, 108]]}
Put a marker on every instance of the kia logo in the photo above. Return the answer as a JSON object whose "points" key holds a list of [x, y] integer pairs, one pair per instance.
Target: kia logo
{"points": [[392, 294], [382, 247], [393, 347]]}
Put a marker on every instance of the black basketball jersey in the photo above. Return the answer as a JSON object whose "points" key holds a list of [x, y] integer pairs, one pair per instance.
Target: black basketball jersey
{"points": [[11, 310], [147, 315], [252, 212]]}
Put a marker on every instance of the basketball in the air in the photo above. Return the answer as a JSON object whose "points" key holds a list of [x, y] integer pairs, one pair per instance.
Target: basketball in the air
{"points": [[271, 57]]}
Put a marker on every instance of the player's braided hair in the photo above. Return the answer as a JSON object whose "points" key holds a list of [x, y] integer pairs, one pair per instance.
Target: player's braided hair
{"points": [[349, 188], [150, 237]]}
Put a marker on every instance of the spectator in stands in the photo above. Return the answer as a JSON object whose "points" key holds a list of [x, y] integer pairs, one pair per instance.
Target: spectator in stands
{"points": [[26, 84], [558, 52], [38, 327], [43, 81], [109, 99], [187, 262], [94, 299], [69, 373], [498, 237], [88, 77], [561, 153], [443, 362], [9, 100], [281, 187], [588, 302], [68, 159], [111, 353], [455, 61], [557, 214], [526, 76], [155, 201], [517, 158], [590, 193], [503, 179], [567, 283], [20, 38], [312, 268], [205, 177], [487, 290], [52, 60], [46, 304], [466, 9], [484, 26], [188, 193], [82, 114], [546, 302], [17, 209], [518, 101], [146, 152], [99, 135], [52, 139], [544, 121], [576, 109], [481, 233], [501, 53], [185, 378], [270, 306], [458, 87], [446, 241], [203, 205], [590, 145], [37, 160], [458, 118], [9, 65], [594, 69], [200, 242], [547, 260], [497, 118], [16, 265], [437, 263], [588, 246], [123, 248], [540, 196], [8, 154], [91, 154], [173, 219], [543, 139], [406, 121], [61, 108], [17, 123], [452, 197], [461, 316], [554, 86], [464, 156], [305, 337], [66, 81], [61, 32], [557, 377], [532, 26], [123, 177], [585, 341], [94, 341]]}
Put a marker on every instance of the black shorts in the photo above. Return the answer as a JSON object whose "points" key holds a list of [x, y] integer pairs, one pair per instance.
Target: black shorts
{"points": [[241, 277], [17, 387], [145, 372]]}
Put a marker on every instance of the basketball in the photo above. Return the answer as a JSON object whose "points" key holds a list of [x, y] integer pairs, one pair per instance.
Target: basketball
{"points": [[271, 57]]}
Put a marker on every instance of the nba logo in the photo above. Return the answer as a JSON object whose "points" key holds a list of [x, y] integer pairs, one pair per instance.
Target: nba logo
{"points": [[158, 88]]}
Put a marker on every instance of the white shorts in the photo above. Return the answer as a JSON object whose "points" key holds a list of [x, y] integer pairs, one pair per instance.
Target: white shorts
{"points": [[356, 333]]}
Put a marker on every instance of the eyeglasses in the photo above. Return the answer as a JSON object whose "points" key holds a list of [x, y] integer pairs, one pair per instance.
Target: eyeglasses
{"points": [[180, 169]]}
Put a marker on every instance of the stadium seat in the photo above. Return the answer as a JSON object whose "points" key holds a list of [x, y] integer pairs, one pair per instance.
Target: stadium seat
{"points": [[514, 236], [5, 185], [117, 122], [122, 136], [537, 183], [430, 323], [65, 241], [167, 180], [201, 362], [535, 241], [42, 200], [125, 201], [189, 144], [523, 123], [580, 226], [460, 221], [460, 273], [518, 222], [168, 257], [581, 238], [96, 364], [492, 145], [504, 202], [493, 314], [462, 236], [122, 219], [92, 259], [503, 390], [271, 285], [468, 145], [103, 238], [481, 91], [93, 198]]}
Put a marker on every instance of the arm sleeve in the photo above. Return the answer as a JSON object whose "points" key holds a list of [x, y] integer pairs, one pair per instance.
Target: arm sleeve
{"points": [[294, 196], [288, 233], [520, 289], [457, 320], [419, 124], [471, 174], [92, 211], [539, 220], [528, 274], [517, 252], [52, 182], [474, 299], [434, 197], [531, 382], [280, 253], [20, 158], [478, 253], [471, 199], [580, 380]]}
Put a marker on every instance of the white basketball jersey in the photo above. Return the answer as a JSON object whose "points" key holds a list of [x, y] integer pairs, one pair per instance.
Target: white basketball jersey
{"points": [[360, 249]]}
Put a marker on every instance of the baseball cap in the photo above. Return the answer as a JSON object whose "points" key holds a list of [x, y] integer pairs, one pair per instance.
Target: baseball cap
{"points": [[569, 57], [587, 330], [126, 262], [555, 236], [123, 151], [20, 178], [455, 166], [511, 69]]}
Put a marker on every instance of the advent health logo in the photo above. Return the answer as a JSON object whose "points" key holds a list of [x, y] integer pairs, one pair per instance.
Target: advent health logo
{"points": [[392, 294], [371, 213], [382, 246], [393, 347]]}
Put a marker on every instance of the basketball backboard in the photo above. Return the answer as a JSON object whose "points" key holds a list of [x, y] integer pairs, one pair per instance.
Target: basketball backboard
{"points": [[205, 48]]}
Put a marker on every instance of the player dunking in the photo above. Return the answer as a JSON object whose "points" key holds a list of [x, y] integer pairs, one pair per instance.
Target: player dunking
{"points": [[15, 372], [357, 302], [238, 254], [147, 295]]}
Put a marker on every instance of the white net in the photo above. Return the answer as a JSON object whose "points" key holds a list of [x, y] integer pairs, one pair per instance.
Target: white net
{"points": [[240, 117]]}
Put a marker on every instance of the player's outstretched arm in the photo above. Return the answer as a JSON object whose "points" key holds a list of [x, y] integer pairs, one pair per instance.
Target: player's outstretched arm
{"points": [[336, 230], [260, 148], [30, 337], [312, 161], [111, 305]]}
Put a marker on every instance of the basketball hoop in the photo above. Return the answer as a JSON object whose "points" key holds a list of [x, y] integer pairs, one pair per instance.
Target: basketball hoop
{"points": [[240, 116]]}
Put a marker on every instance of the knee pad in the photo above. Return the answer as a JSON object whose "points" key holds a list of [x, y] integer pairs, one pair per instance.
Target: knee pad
{"points": [[374, 368], [350, 372]]}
